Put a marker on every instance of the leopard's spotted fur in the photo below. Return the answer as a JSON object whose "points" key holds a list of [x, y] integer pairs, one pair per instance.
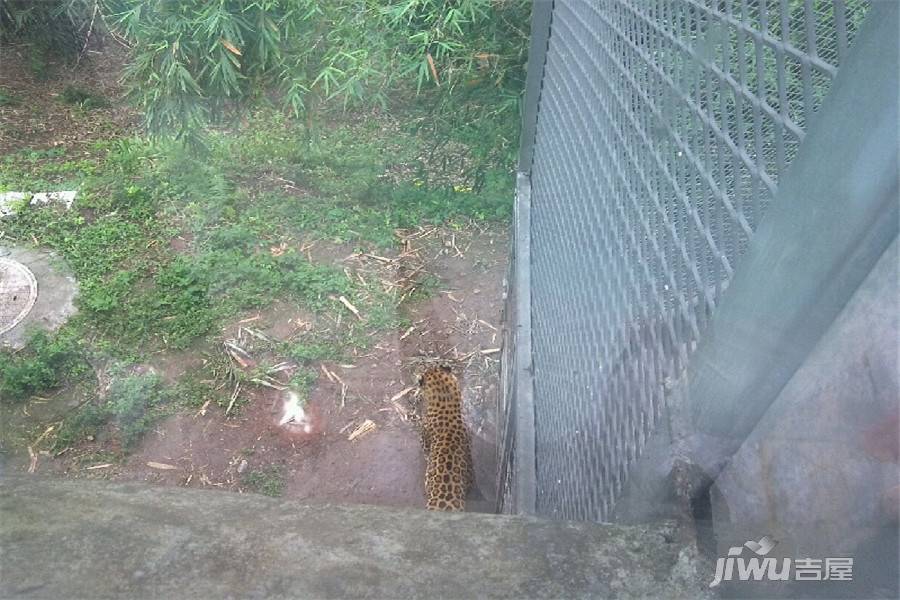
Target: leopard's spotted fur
{"points": [[449, 473]]}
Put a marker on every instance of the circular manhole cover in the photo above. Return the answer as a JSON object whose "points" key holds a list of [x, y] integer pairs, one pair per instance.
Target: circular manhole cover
{"points": [[18, 292]]}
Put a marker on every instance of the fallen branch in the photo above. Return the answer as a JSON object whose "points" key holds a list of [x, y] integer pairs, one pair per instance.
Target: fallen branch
{"points": [[32, 467], [380, 258], [202, 411], [402, 393], [103, 466], [350, 307], [161, 466], [234, 395], [87, 38], [240, 356], [363, 429], [264, 381]]}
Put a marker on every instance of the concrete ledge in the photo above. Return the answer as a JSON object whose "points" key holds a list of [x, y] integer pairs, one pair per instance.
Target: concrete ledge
{"points": [[93, 539]]}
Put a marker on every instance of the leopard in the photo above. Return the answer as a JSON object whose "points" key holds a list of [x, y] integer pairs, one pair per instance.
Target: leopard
{"points": [[449, 472]]}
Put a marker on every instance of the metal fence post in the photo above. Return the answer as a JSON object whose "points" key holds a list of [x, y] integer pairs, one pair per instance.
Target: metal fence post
{"points": [[541, 16], [835, 215], [524, 474]]}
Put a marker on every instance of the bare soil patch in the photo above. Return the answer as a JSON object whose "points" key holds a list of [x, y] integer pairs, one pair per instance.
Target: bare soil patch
{"points": [[39, 120], [456, 323]]}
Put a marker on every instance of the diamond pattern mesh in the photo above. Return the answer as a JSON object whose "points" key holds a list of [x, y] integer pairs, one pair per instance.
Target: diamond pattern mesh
{"points": [[663, 128]]}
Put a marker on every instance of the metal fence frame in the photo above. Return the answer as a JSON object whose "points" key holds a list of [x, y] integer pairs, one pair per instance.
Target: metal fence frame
{"points": [[516, 477], [736, 372]]}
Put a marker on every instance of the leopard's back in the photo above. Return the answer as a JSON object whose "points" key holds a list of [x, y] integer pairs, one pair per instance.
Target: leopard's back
{"points": [[449, 473]]}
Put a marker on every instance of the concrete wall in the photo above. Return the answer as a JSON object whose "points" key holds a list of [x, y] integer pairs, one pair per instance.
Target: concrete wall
{"points": [[819, 473], [93, 539]]}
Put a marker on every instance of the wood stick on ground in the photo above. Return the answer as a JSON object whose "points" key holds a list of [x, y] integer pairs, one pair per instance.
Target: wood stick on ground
{"points": [[268, 383], [379, 258], [161, 466], [234, 395], [485, 323], [411, 274], [338, 378], [47, 432], [202, 411], [32, 467], [240, 356], [258, 334], [103, 466], [459, 254], [404, 414], [350, 307], [402, 393], [363, 429]]}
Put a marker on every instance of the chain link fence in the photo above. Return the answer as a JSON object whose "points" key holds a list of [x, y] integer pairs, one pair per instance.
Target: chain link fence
{"points": [[660, 131]]}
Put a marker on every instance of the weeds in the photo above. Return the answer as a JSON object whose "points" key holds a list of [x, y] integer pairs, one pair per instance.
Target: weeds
{"points": [[268, 481], [134, 403], [8, 99], [85, 422], [191, 393], [307, 352], [245, 210], [137, 292], [83, 98], [38, 62], [46, 364]]}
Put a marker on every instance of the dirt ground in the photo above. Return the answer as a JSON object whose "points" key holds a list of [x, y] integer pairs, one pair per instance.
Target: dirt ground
{"points": [[39, 120], [322, 460], [360, 439], [457, 325]]}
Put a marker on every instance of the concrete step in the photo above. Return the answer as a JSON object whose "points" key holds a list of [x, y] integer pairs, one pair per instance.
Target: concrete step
{"points": [[94, 539]]}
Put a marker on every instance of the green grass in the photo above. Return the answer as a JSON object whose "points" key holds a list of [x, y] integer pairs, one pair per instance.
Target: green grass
{"points": [[268, 481], [43, 170], [138, 295], [361, 182], [7, 98], [83, 98], [310, 351], [86, 421], [45, 364], [132, 406], [38, 61]]}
